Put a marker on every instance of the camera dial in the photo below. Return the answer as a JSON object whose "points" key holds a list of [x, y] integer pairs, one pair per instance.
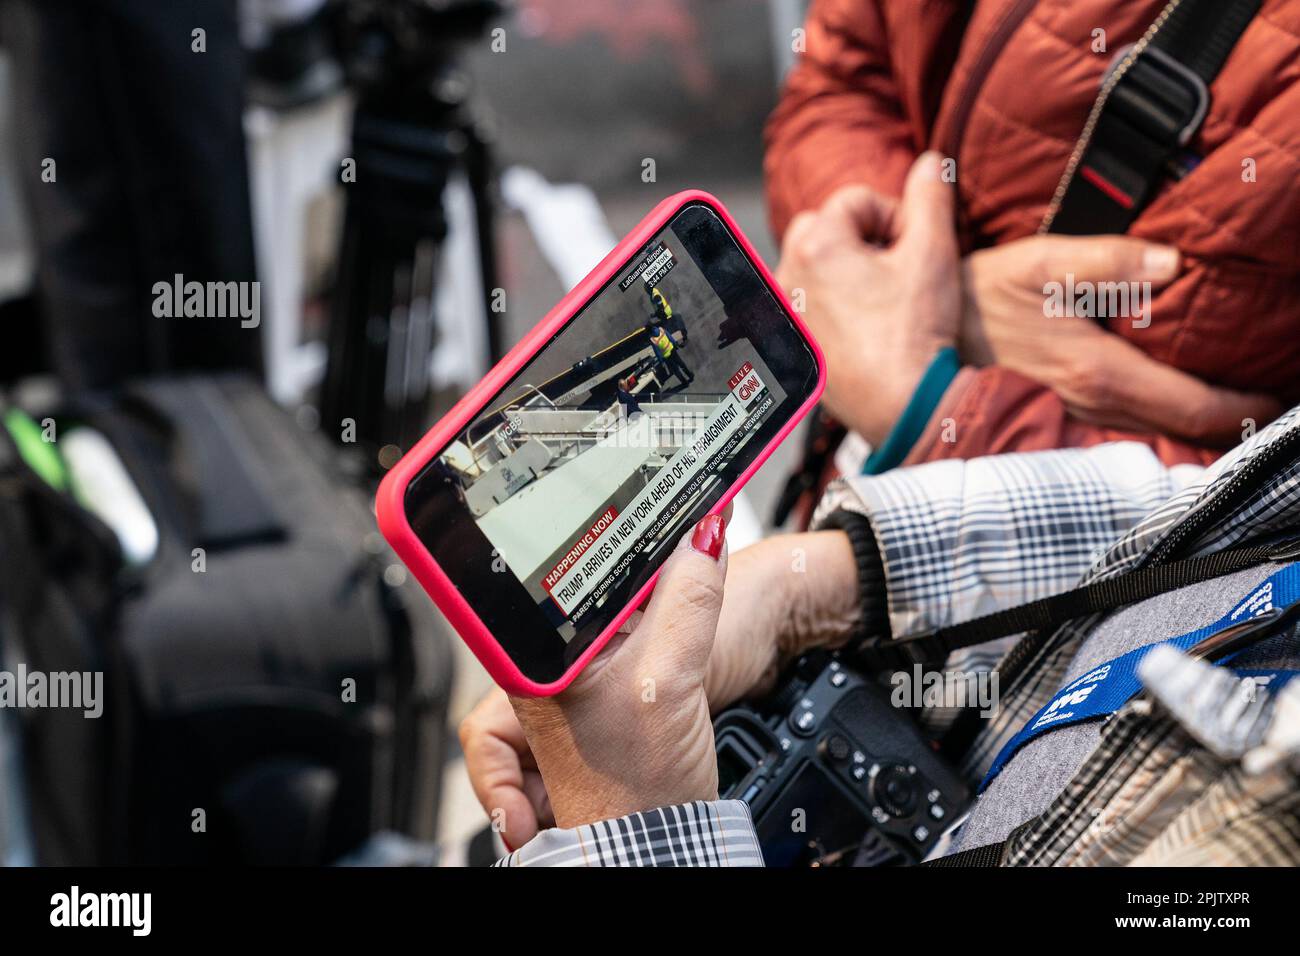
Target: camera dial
{"points": [[893, 789]]}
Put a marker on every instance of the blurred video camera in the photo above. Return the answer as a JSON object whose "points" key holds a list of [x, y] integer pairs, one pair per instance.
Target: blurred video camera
{"points": [[301, 50], [834, 774]]}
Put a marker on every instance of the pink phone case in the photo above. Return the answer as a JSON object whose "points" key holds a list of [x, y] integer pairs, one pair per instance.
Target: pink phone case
{"points": [[392, 490]]}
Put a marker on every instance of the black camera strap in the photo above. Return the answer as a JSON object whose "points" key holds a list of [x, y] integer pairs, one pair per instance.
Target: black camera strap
{"points": [[988, 855], [1048, 613], [1152, 102]]}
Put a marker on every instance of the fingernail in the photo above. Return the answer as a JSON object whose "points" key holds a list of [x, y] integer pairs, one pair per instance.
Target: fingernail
{"points": [[708, 536], [1160, 261]]}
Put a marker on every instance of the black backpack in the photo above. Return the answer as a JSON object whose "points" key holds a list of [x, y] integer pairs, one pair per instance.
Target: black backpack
{"points": [[276, 689]]}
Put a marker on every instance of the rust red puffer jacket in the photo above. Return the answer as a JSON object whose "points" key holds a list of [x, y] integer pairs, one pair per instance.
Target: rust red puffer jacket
{"points": [[1008, 96]]}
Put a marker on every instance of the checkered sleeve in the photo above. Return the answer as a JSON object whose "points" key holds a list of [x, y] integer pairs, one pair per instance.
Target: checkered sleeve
{"points": [[959, 539], [715, 833]]}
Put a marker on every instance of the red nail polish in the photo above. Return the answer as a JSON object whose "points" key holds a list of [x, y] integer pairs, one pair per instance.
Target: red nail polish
{"points": [[708, 536]]}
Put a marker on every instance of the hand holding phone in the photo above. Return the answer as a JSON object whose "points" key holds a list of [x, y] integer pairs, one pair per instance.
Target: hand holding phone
{"points": [[603, 750], [538, 512]]}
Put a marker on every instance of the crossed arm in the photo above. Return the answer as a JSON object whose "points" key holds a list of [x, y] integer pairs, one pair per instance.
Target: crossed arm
{"points": [[873, 270]]}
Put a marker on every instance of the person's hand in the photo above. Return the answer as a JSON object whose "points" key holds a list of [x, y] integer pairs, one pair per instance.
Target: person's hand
{"points": [[632, 731], [784, 595], [880, 290], [503, 771], [1101, 377]]}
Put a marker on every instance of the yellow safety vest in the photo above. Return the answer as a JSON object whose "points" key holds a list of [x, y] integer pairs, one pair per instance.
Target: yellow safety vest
{"points": [[659, 297], [663, 344]]}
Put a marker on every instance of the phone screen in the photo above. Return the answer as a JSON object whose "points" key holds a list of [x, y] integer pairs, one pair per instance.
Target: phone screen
{"points": [[562, 497]]}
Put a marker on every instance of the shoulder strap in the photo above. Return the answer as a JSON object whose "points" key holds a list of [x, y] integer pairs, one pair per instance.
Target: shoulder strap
{"points": [[1153, 100], [988, 855], [1100, 596]]}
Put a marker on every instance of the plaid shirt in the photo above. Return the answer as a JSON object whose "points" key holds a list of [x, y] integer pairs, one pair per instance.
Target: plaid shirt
{"points": [[963, 538], [717, 833]]}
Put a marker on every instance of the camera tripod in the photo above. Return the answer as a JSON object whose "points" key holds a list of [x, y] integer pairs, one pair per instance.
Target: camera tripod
{"points": [[413, 132]]}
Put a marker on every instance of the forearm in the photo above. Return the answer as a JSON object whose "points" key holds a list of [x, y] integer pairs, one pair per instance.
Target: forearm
{"points": [[958, 539], [784, 595], [992, 411]]}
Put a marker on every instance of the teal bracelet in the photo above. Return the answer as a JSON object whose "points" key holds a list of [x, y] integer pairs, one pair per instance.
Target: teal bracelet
{"points": [[938, 376]]}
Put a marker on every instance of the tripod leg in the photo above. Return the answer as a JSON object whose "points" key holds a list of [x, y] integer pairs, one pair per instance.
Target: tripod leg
{"points": [[480, 173]]}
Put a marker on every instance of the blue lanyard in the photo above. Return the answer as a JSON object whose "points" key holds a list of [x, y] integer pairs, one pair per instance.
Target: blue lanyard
{"points": [[1108, 687]]}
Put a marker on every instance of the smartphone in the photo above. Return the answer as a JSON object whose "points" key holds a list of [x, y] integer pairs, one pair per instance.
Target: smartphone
{"points": [[538, 512]]}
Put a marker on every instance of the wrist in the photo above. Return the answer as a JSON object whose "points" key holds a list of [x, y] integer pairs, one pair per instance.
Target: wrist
{"points": [[613, 770], [908, 425], [609, 799], [587, 798], [870, 594], [823, 610], [871, 395]]}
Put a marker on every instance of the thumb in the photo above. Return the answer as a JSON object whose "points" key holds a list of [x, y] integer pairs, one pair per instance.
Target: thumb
{"points": [[925, 215], [1104, 259], [681, 620]]}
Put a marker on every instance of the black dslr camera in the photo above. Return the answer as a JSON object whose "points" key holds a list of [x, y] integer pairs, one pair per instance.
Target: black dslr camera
{"points": [[835, 774]]}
